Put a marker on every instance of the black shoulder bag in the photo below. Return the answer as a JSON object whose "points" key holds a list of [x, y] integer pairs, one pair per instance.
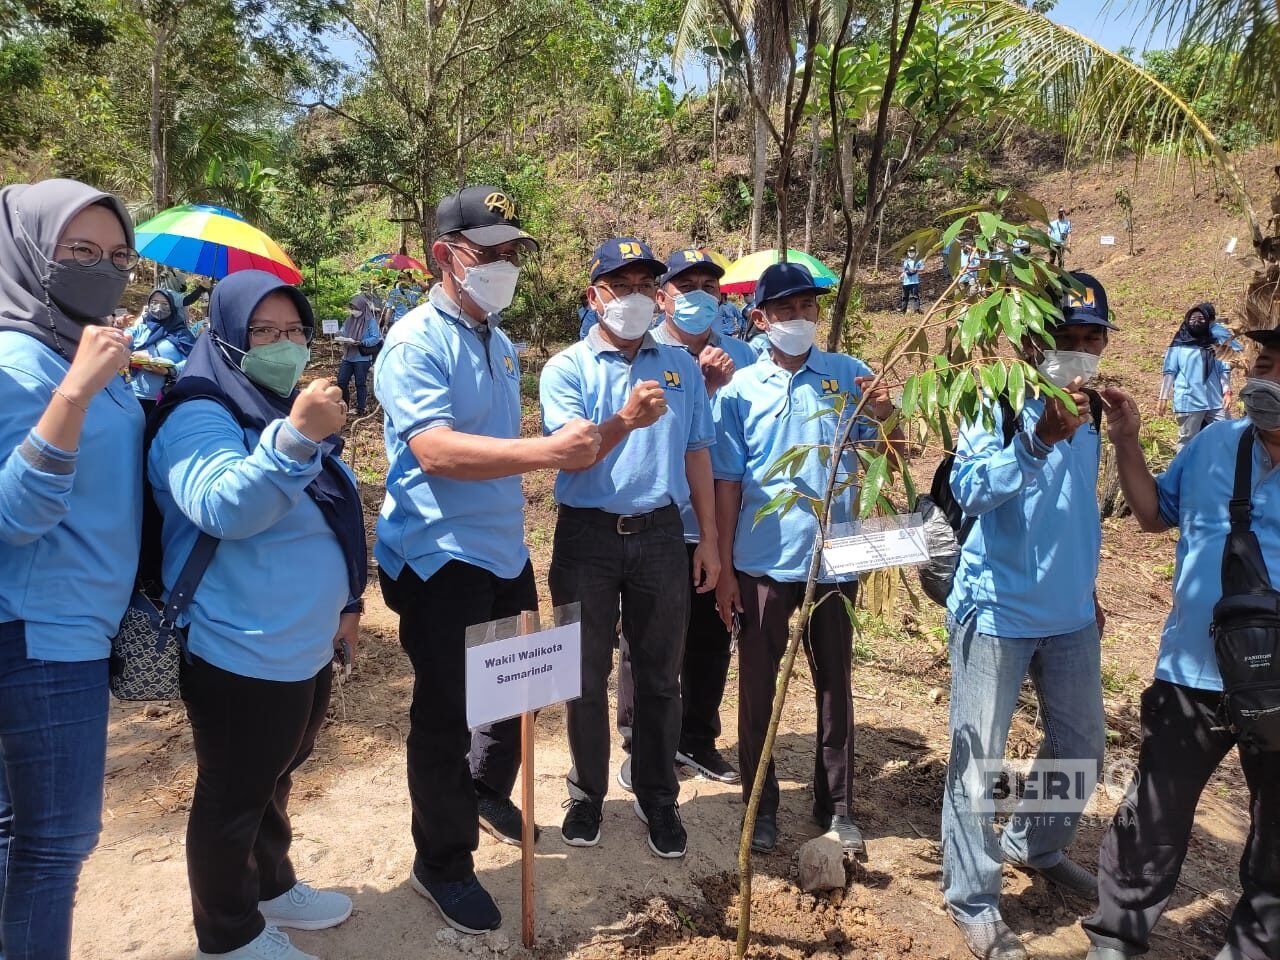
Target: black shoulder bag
{"points": [[1246, 623]]}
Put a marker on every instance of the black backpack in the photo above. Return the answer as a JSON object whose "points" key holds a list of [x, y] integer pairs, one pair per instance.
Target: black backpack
{"points": [[1246, 623], [945, 524]]}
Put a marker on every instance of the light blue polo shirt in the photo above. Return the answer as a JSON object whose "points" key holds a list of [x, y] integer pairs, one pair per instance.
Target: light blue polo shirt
{"points": [[592, 379], [762, 413], [742, 355], [911, 272], [1194, 493], [1028, 566], [435, 370], [1059, 230], [1192, 390]]}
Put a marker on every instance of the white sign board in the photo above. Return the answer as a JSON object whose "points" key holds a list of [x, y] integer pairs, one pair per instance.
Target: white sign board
{"points": [[506, 678], [1231, 246], [1107, 241], [329, 326], [853, 548]]}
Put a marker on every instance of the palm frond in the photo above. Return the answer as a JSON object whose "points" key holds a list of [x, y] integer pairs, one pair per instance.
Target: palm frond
{"points": [[1099, 99]]}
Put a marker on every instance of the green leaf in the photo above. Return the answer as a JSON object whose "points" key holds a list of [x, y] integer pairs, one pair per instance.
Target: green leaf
{"points": [[1017, 385], [988, 223], [781, 501], [910, 395], [873, 481], [785, 461]]}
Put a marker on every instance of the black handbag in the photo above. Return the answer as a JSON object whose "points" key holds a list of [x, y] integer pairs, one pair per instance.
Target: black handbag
{"points": [[147, 650], [1246, 623]]}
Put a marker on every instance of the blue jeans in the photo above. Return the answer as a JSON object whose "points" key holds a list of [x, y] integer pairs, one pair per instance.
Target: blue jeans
{"points": [[360, 369], [53, 749], [986, 676]]}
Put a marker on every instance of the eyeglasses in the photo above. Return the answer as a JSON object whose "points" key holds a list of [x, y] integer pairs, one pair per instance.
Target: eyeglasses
{"points": [[514, 255], [89, 254], [265, 335], [648, 287]]}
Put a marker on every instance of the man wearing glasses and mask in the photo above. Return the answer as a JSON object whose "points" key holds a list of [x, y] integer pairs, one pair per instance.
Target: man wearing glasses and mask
{"points": [[619, 540], [450, 544]]}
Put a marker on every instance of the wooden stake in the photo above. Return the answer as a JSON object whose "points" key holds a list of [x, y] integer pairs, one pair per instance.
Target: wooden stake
{"points": [[528, 624]]}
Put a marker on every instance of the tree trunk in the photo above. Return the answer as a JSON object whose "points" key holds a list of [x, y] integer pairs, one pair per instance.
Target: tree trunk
{"points": [[715, 121], [812, 209], [159, 160], [758, 164]]}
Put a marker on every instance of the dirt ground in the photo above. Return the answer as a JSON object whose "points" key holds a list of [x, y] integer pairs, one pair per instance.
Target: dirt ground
{"points": [[351, 811]]}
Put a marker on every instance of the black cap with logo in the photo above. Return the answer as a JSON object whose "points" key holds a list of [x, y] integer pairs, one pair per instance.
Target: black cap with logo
{"points": [[484, 215]]}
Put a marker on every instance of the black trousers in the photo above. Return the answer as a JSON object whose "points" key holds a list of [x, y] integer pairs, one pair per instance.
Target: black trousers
{"points": [[702, 676], [910, 291], [767, 605], [1143, 850], [434, 616], [645, 575], [250, 735]]}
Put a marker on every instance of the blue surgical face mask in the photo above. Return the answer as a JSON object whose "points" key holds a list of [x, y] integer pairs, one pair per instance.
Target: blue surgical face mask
{"points": [[695, 311]]}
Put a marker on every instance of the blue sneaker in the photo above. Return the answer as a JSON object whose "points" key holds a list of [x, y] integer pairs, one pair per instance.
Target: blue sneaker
{"points": [[463, 904]]}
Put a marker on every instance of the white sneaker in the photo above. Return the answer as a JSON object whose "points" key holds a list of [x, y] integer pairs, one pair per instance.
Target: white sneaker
{"points": [[270, 944], [305, 908]]}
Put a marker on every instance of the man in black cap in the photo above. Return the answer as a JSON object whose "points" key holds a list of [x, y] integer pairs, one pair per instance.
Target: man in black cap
{"points": [[450, 545], [1023, 604], [619, 536], [788, 399], [1184, 736]]}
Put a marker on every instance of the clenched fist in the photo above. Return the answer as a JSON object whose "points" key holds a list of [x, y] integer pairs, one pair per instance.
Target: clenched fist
{"points": [[575, 445], [647, 403], [717, 367], [318, 410], [103, 352]]}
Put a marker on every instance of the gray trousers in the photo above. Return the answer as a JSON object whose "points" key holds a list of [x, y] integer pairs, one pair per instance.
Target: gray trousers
{"points": [[1189, 424]]}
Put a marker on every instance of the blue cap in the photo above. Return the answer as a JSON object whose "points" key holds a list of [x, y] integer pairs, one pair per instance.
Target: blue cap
{"points": [[1089, 309], [683, 260], [623, 252], [782, 280]]}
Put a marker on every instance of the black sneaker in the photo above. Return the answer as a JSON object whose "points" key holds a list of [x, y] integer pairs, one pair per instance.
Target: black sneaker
{"points": [[581, 827], [709, 762], [764, 835], [624, 774], [667, 837], [500, 818], [463, 904]]}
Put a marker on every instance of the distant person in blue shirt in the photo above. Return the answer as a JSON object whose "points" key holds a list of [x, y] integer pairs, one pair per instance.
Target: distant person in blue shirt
{"points": [[451, 542], [1023, 604], [360, 327], [1184, 738], [404, 296], [162, 341], [239, 453], [1059, 238], [733, 323], [970, 265], [619, 544], [765, 410], [587, 318], [688, 295], [70, 513], [1196, 379], [912, 265]]}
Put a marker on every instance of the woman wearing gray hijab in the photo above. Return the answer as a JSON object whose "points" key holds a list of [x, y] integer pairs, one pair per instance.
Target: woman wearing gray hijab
{"points": [[70, 513]]}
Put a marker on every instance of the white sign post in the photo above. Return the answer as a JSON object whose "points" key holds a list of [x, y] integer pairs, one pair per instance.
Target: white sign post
{"points": [[515, 669], [1107, 240], [874, 544], [328, 326]]}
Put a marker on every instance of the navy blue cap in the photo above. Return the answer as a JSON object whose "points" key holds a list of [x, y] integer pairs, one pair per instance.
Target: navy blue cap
{"points": [[782, 280], [683, 260], [1089, 309], [623, 252], [1269, 337]]}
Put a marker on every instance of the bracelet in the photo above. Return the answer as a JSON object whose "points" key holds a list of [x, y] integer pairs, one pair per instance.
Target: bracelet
{"points": [[81, 407]]}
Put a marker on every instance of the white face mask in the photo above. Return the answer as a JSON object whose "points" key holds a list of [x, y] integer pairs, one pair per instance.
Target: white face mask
{"points": [[492, 286], [627, 318], [792, 337], [1060, 367]]}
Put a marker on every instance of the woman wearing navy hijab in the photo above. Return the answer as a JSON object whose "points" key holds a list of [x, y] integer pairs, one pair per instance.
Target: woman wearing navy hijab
{"points": [[70, 512], [237, 452], [162, 341]]}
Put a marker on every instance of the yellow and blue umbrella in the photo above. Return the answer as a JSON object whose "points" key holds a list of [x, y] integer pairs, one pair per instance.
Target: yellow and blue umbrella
{"points": [[741, 277], [211, 242]]}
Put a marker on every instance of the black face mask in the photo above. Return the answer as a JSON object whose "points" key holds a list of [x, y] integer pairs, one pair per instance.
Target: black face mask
{"points": [[85, 294]]}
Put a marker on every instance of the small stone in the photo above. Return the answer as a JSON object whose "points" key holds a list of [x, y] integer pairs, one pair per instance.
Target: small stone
{"points": [[822, 865], [935, 695], [447, 935], [499, 943]]}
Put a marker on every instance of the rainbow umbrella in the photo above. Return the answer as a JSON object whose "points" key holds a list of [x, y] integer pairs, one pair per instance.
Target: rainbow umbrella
{"points": [[742, 275], [396, 262], [211, 242]]}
